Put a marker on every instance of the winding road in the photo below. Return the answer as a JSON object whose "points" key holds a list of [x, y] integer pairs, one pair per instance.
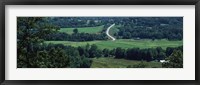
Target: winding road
{"points": [[107, 32]]}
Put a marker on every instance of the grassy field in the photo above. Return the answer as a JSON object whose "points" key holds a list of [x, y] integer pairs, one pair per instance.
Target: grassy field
{"points": [[121, 63], [124, 43], [83, 29]]}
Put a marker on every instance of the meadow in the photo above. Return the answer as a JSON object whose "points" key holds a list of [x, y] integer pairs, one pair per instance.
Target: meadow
{"points": [[110, 62], [124, 43], [96, 29]]}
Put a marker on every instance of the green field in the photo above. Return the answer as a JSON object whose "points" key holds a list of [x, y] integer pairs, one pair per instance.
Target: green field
{"points": [[121, 63], [124, 43], [83, 29]]}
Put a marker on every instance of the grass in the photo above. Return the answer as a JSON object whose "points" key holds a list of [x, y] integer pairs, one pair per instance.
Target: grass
{"points": [[103, 62], [124, 43], [83, 29]]}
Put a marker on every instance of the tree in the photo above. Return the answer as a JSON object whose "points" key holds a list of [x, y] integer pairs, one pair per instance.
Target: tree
{"points": [[81, 50], [153, 38], [120, 53], [169, 51], [112, 52], [132, 54], [85, 63], [127, 35], [75, 31], [175, 60], [106, 52], [149, 56], [93, 51], [30, 32]]}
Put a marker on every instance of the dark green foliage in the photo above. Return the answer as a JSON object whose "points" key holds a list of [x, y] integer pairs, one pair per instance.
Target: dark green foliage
{"points": [[119, 53], [152, 28], [81, 50], [132, 54], [54, 58], [106, 52], [75, 22], [94, 51], [33, 53], [75, 31], [170, 28], [137, 54], [75, 37], [112, 52], [75, 59], [149, 54], [30, 31], [169, 50], [175, 60]]}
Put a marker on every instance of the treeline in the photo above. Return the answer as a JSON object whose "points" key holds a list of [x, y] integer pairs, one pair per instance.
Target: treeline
{"points": [[61, 36], [75, 22], [173, 56], [170, 28], [52, 56], [175, 60], [149, 54], [155, 32], [72, 22], [60, 56]]}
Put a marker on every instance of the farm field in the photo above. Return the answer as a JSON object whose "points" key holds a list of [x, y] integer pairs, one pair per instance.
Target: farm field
{"points": [[124, 43], [83, 29], [121, 63]]}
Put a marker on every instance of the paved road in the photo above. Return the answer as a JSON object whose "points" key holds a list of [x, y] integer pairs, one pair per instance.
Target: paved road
{"points": [[107, 32]]}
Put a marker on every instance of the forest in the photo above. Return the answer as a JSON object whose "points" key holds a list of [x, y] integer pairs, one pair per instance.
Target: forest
{"points": [[82, 42]]}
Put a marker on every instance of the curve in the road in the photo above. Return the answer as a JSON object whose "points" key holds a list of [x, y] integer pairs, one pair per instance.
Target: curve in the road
{"points": [[107, 32]]}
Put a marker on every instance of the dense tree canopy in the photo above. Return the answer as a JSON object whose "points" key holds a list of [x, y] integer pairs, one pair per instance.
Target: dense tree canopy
{"points": [[170, 28], [33, 53], [175, 60]]}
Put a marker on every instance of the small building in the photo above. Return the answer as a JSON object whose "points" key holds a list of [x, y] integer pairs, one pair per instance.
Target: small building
{"points": [[163, 61]]}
